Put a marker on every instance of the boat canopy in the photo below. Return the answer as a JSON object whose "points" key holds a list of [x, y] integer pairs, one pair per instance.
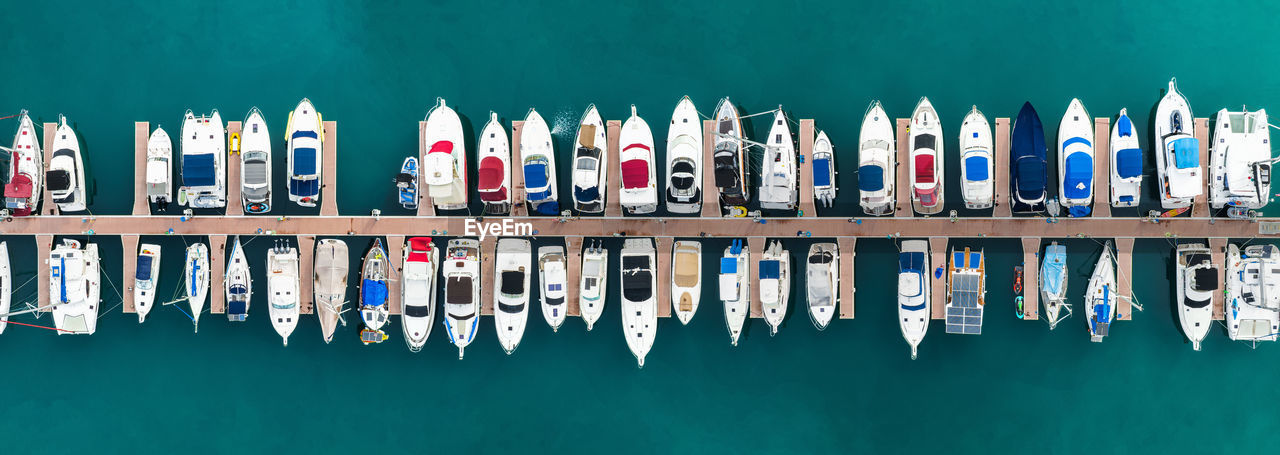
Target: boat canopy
{"points": [[726, 170], [441, 147], [770, 270], [1031, 177], [1124, 126], [685, 273], [924, 168], [1129, 163], [1054, 270], [237, 306], [490, 173], [728, 266], [1186, 152], [255, 169], [58, 180], [457, 290], [198, 170], [419, 249], [975, 168], [1078, 176], [822, 171], [299, 187], [589, 194], [512, 282], [682, 173], [373, 293], [535, 177], [635, 174], [926, 141], [304, 161], [870, 177], [144, 268]]}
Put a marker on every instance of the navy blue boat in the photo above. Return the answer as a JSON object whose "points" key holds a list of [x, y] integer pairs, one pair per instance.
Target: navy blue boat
{"points": [[1027, 157]]}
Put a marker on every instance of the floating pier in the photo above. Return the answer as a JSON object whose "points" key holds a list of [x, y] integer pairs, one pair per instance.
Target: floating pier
{"points": [[1124, 277], [218, 274], [848, 251], [612, 169], [1218, 255], [664, 247], [518, 207], [48, 207], [488, 259], [427, 207], [1030, 278], [141, 133], [1003, 206], [938, 293], [1102, 167], [1200, 204], [710, 192], [804, 169], [329, 173], [395, 255], [902, 189], [128, 246], [235, 204]]}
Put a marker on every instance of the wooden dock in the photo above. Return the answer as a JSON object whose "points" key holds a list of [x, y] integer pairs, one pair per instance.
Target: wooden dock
{"points": [[488, 274], [1200, 204], [1003, 208], [141, 133], [395, 255], [612, 169], [1102, 167], [517, 190], [663, 247], [1124, 277], [710, 192], [329, 170], [427, 207], [1030, 278], [48, 206], [306, 272], [218, 274], [1218, 253], [847, 248], [938, 296], [44, 246], [573, 271], [902, 189], [755, 245], [804, 169], [129, 248], [235, 203]]}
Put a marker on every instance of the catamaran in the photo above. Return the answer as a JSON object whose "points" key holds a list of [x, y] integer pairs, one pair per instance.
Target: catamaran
{"points": [[255, 163], [589, 173], [966, 291], [686, 279], [159, 168], [146, 276], [977, 173], [75, 281], [775, 285], [418, 291], [729, 157], [639, 193], [1100, 299], [1027, 159], [591, 291], [1053, 284], [374, 309], [305, 136], [1177, 150], [1253, 293], [494, 186], [511, 291], [1126, 163], [822, 281], [196, 275], [238, 285], [735, 288], [204, 169], [684, 159], [1195, 283], [407, 183], [639, 303], [22, 189], [538, 161], [913, 292], [6, 285], [462, 292], [444, 167], [778, 189], [1240, 161], [553, 278], [329, 286], [877, 162], [65, 176], [824, 170], [283, 289], [927, 158], [1075, 160]]}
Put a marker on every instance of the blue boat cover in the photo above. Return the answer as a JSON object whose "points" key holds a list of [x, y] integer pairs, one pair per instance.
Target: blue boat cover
{"points": [[1076, 140], [770, 269], [237, 307], [591, 194], [1027, 152], [197, 170], [910, 262], [1186, 152], [144, 268], [304, 161], [975, 168], [1077, 180], [304, 188], [975, 258], [729, 266], [1124, 126], [1053, 269], [870, 177], [545, 208], [822, 172], [1030, 177], [1129, 163], [957, 258], [373, 293], [535, 174]]}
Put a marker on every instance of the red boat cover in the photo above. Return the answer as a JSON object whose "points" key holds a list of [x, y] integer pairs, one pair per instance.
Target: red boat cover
{"points": [[635, 174], [418, 249], [490, 173], [20, 187], [924, 169], [441, 147]]}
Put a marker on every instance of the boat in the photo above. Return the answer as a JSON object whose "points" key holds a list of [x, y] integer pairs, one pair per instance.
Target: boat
{"points": [[824, 170], [538, 163], [204, 168], [927, 159], [639, 301], [374, 309], [196, 277], [686, 279], [255, 163], [283, 288], [913, 292], [1240, 160], [778, 188], [1053, 284], [775, 285], [1100, 298], [589, 173], [305, 136], [494, 185], [418, 291], [1196, 283], [1126, 163], [1253, 293], [329, 285], [966, 292], [407, 183], [1075, 160], [1177, 150], [159, 168], [1028, 165], [511, 291], [729, 156], [735, 288], [684, 159], [6, 285], [822, 282], [25, 174], [65, 175], [591, 291], [462, 292], [444, 167], [553, 278], [877, 161], [977, 173], [238, 285], [146, 276], [75, 281], [639, 193]]}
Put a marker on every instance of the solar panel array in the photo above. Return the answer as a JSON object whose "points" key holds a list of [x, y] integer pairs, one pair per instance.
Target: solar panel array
{"points": [[964, 315]]}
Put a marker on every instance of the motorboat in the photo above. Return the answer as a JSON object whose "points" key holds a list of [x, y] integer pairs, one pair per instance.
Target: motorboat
{"points": [[159, 168], [730, 163], [418, 291], [913, 292], [22, 190], [329, 285], [196, 276], [283, 288], [824, 170], [1240, 160], [1177, 151], [6, 285], [553, 278], [778, 188], [238, 285], [75, 281], [255, 163], [977, 173], [1196, 283], [1100, 298], [877, 161], [1253, 293], [538, 163], [494, 185], [374, 309], [639, 301], [305, 136], [407, 183], [145, 278], [966, 292], [444, 167], [1126, 163], [65, 176], [1053, 284], [927, 159], [822, 282], [1028, 164], [775, 285], [512, 267], [591, 291], [639, 193], [1075, 160], [462, 292], [686, 279], [204, 168], [735, 288], [589, 173], [684, 159]]}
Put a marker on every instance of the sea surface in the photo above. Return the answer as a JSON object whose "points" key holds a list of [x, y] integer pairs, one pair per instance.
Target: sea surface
{"points": [[377, 67]]}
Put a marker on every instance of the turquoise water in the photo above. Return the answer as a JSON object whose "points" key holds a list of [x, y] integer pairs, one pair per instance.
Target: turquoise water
{"points": [[376, 68]]}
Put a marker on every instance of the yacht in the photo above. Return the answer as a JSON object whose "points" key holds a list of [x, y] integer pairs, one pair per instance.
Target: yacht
{"points": [[639, 301], [1028, 165], [775, 285], [913, 292], [444, 167], [1177, 151], [977, 173], [538, 163], [238, 284], [1075, 160], [146, 276], [1100, 298], [1240, 161], [684, 159], [418, 291], [729, 158], [374, 309], [305, 134], [74, 286], [778, 189], [639, 193], [255, 163], [282, 289], [553, 277], [6, 285], [494, 186], [686, 279], [591, 292], [824, 170], [877, 162], [927, 159], [966, 292], [1126, 163], [196, 276], [65, 176], [462, 292], [26, 161], [822, 282], [512, 267], [204, 168], [329, 285], [1253, 293], [589, 173], [1053, 284], [735, 288], [407, 183], [159, 168], [1196, 284]]}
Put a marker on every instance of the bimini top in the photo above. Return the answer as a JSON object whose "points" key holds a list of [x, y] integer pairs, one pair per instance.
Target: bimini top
{"points": [[870, 177], [728, 266], [682, 173], [822, 172], [924, 169], [1186, 152], [304, 161], [490, 174], [57, 180], [1129, 163], [144, 268], [1077, 180], [770, 270], [197, 170], [975, 168], [419, 249], [535, 173], [373, 293], [441, 147], [635, 173]]}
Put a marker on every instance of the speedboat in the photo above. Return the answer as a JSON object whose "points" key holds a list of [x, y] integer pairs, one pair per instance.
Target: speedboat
{"points": [[538, 161], [374, 309], [775, 285], [1253, 293], [1053, 284], [283, 289], [735, 288], [1196, 283], [686, 279], [238, 286], [1027, 160], [553, 277], [146, 276], [329, 286], [6, 285], [1240, 161], [305, 134], [684, 159], [1075, 160], [824, 170], [977, 173], [1100, 298], [639, 193], [1177, 151], [196, 275], [65, 176], [494, 186], [966, 292], [876, 161], [913, 292], [595, 262], [778, 189], [589, 174], [74, 285], [639, 303], [255, 163], [462, 292], [511, 291], [418, 291], [822, 281], [729, 157], [159, 168], [25, 174], [444, 167], [1126, 163], [927, 158], [204, 168], [407, 183]]}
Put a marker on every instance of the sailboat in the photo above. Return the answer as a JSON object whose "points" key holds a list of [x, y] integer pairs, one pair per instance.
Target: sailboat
{"points": [[1028, 164], [462, 292], [684, 159], [159, 168], [305, 136], [374, 309], [65, 176], [444, 167], [735, 288], [329, 285], [494, 185], [196, 275], [407, 183], [591, 291], [1126, 163], [1240, 160], [1100, 299], [927, 158], [511, 291], [1177, 151], [977, 173], [877, 163], [238, 284], [589, 173], [822, 282], [729, 157], [686, 279], [553, 278], [22, 189], [255, 163], [1075, 160], [824, 170], [418, 291], [778, 188], [146, 276], [204, 168], [75, 281], [6, 285], [1053, 284], [538, 162], [775, 285], [913, 292], [639, 301], [1253, 293], [1196, 284], [639, 193], [966, 292], [283, 284]]}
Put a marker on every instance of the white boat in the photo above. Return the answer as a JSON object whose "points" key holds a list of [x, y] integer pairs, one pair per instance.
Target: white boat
{"points": [[1196, 284], [1126, 163], [1075, 160], [1100, 298], [966, 292], [65, 175], [146, 276], [730, 161], [374, 309], [877, 162], [589, 173], [74, 286], [553, 278], [494, 185], [160, 168], [913, 292], [1240, 161], [1177, 151], [512, 266], [418, 291], [735, 288], [6, 285], [977, 173], [822, 282], [22, 188], [329, 285], [462, 292], [927, 159], [407, 183], [238, 285], [196, 280], [824, 170], [639, 193], [538, 162], [283, 289], [1253, 293], [778, 188], [255, 163], [684, 159], [775, 285], [1053, 284], [305, 136], [444, 167], [639, 302], [591, 291], [204, 168], [686, 279]]}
